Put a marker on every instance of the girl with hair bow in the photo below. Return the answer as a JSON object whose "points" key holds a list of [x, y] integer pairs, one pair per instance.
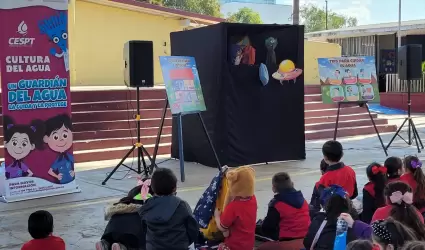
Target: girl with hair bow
{"points": [[399, 199], [373, 191], [416, 179]]}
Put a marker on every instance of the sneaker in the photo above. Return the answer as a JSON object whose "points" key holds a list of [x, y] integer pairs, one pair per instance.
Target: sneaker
{"points": [[118, 246], [102, 245]]}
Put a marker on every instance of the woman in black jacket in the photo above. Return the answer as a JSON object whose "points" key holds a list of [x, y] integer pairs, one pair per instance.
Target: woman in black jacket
{"points": [[334, 202], [125, 230]]}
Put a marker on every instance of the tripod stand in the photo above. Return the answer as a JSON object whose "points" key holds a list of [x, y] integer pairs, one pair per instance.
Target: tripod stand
{"points": [[410, 125], [141, 150]]}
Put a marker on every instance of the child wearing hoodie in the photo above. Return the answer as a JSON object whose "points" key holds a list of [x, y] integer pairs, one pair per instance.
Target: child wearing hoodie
{"points": [[288, 213], [124, 230], [169, 220]]}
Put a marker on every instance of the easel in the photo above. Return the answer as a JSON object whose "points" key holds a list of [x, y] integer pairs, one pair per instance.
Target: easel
{"points": [[180, 140], [361, 104], [141, 150]]}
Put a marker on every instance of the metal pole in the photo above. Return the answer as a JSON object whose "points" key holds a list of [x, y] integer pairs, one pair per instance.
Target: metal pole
{"points": [[326, 12], [296, 12], [399, 24]]}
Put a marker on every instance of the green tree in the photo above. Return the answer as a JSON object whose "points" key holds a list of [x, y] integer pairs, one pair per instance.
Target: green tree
{"points": [[206, 7], [314, 19], [245, 15]]}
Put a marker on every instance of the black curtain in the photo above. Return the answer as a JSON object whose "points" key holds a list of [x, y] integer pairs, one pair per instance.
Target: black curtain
{"points": [[249, 123]]}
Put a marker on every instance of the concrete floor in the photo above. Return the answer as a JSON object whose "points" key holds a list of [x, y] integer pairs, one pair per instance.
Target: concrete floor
{"points": [[79, 217]]}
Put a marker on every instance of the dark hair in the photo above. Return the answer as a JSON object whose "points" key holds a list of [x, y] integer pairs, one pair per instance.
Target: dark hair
{"points": [[405, 213], [393, 165], [56, 122], [379, 181], [336, 205], [414, 245], [35, 131], [418, 175], [400, 234], [323, 166], [332, 150], [164, 182], [360, 245], [40, 224], [282, 181]]}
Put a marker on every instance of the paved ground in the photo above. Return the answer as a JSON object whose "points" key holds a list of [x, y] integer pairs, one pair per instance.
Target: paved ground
{"points": [[79, 217]]}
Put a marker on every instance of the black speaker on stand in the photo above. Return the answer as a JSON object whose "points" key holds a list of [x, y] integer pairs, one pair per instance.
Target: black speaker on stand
{"points": [[138, 72], [409, 68]]}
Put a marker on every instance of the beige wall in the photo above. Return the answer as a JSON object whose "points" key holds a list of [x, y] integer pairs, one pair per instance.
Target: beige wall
{"points": [[98, 35], [312, 51]]}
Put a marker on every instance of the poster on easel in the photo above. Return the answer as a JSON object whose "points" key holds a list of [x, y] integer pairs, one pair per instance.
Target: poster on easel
{"points": [[36, 103], [348, 79], [184, 95], [182, 84]]}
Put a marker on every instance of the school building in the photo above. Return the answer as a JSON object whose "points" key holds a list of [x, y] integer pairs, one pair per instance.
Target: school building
{"points": [[380, 41]]}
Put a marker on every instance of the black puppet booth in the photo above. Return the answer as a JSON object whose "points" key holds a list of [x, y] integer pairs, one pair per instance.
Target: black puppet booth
{"points": [[249, 119]]}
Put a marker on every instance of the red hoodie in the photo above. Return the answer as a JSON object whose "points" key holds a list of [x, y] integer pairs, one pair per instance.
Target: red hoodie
{"points": [[384, 212]]}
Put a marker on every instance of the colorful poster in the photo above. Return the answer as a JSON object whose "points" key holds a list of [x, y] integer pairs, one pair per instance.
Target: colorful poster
{"points": [[348, 79], [182, 84], [36, 103]]}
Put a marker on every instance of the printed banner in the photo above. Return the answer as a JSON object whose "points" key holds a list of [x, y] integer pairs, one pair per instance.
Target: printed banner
{"points": [[36, 104], [348, 79], [182, 84]]}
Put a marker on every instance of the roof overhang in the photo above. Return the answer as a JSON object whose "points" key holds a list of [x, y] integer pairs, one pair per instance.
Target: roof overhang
{"points": [[367, 30], [196, 20]]}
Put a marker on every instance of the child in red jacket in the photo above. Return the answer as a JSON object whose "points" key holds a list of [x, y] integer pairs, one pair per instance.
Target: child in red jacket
{"points": [[373, 191], [40, 227], [337, 173], [416, 179], [394, 167], [288, 214]]}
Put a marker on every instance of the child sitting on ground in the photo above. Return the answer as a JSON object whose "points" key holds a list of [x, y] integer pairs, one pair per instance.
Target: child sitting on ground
{"points": [[416, 179], [169, 220], [337, 173], [124, 229], [238, 220], [40, 227], [399, 196], [322, 231], [394, 167], [288, 214], [373, 191]]}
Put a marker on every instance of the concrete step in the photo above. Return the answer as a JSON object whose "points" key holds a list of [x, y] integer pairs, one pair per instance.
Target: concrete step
{"points": [[332, 118], [312, 89], [312, 98], [116, 153], [344, 124], [118, 105], [320, 105], [351, 131], [332, 112]]}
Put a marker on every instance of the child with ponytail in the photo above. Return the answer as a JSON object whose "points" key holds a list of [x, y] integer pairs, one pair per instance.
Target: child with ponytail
{"points": [[394, 167], [400, 197], [416, 179], [373, 191]]}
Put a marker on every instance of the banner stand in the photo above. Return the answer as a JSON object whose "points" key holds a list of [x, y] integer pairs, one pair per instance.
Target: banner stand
{"points": [[361, 104], [36, 100], [180, 140]]}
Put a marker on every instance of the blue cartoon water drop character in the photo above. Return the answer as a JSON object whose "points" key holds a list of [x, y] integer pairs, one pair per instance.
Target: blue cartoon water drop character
{"points": [[56, 28]]}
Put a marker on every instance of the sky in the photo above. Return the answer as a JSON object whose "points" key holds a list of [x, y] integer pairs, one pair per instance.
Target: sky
{"points": [[371, 11]]}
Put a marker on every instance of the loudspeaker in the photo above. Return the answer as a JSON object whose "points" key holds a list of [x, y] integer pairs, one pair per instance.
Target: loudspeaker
{"points": [[409, 62], [138, 63]]}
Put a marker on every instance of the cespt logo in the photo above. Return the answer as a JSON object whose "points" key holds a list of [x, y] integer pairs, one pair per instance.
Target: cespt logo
{"points": [[22, 41]]}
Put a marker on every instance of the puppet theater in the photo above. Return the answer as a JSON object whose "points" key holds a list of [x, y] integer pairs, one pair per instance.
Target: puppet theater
{"points": [[253, 87]]}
